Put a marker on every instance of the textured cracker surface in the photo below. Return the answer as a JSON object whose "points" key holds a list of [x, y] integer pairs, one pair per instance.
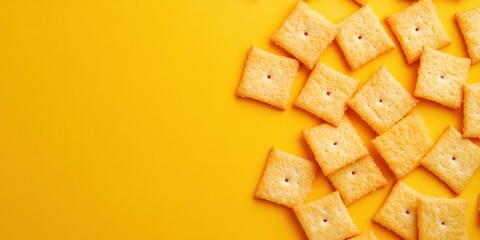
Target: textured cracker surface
{"points": [[453, 159], [382, 101], [362, 38], [357, 179], [335, 147], [367, 235], [287, 179], [442, 218], [403, 145], [416, 27], [326, 93], [441, 77], [326, 218], [399, 212], [268, 77], [471, 110], [468, 23], [305, 34]]}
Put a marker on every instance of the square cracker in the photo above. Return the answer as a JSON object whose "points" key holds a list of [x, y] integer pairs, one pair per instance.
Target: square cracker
{"points": [[367, 235], [268, 77], [471, 110], [441, 77], [442, 218], [305, 34], [418, 26], [403, 145], [357, 179], [287, 179], [335, 147], [362, 37], [326, 218], [382, 101], [399, 212], [326, 93], [453, 159], [468, 23]]}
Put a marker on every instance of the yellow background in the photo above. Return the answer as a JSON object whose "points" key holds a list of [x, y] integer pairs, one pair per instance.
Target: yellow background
{"points": [[118, 119]]}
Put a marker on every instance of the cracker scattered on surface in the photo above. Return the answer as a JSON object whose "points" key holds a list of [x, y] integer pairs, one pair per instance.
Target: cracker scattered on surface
{"points": [[326, 93], [287, 179], [453, 159], [418, 26], [468, 23], [471, 110], [362, 37], [367, 235], [382, 101], [268, 77], [326, 218], [403, 145], [335, 147], [442, 218], [441, 77], [357, 179], [399, 212], [305, 34]]}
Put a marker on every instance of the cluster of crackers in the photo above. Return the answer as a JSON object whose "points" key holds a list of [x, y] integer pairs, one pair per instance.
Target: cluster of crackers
{"points": [[385, 105]]}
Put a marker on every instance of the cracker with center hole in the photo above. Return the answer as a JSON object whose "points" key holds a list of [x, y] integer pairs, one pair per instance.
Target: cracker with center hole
{"points": [[287, 179], [362, 37], [403, 145], [468, 23], [453, 159], [326, 218], [335, 147], [399, 212], [471, 110], [367, 235], [268, 77], [441, 77], [418, 26], [305, 34], [442, 218], [382, 101], [357, 179], [326, 93]]}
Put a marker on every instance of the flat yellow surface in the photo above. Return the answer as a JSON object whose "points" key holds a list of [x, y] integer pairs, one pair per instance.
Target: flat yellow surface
{"points": [[118, 119]]}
